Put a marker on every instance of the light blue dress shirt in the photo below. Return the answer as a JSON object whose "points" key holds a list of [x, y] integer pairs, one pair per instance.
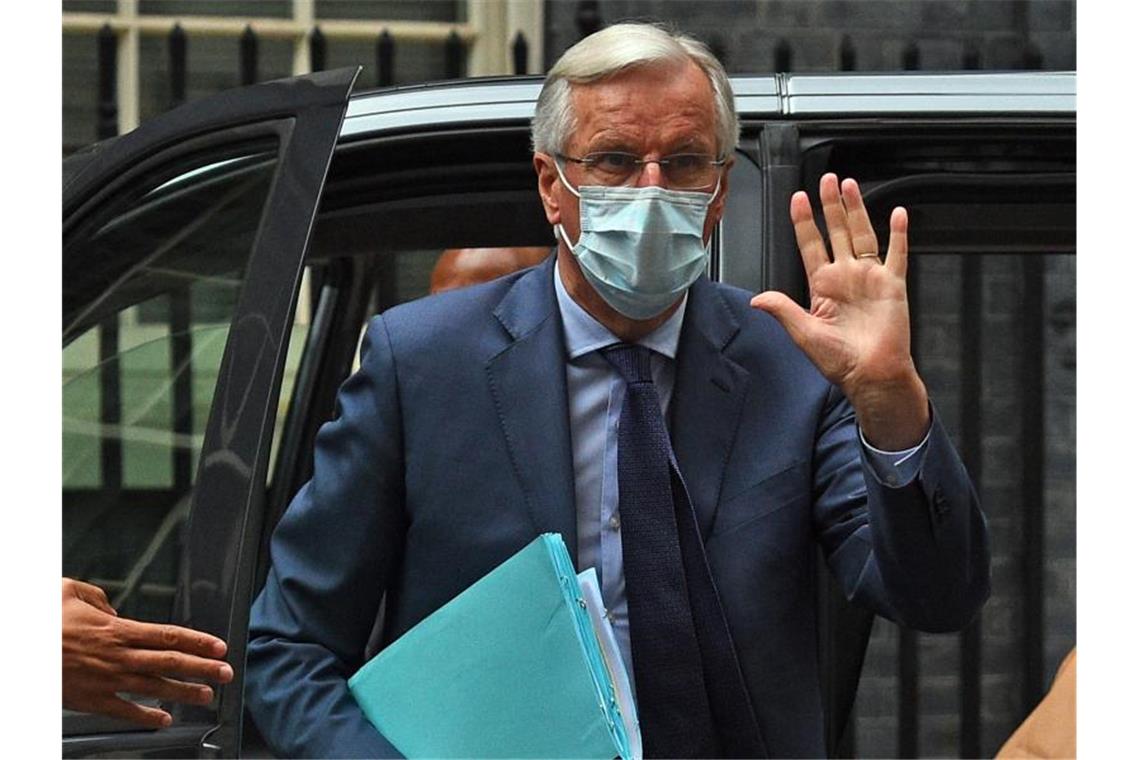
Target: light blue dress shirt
{"points": [[596, 393]]}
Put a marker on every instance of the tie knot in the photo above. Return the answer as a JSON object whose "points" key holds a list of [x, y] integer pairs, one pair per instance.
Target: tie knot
{"points": [[631, 361]]}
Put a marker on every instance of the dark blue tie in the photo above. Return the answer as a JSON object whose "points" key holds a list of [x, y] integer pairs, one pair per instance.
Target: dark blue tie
{"points": [[691, 697]]}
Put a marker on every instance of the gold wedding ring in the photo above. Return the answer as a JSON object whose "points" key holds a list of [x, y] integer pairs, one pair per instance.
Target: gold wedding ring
{"points": [[869, 254]]}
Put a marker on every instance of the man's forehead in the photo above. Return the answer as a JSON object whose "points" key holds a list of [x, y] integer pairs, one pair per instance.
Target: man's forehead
{"points": [[673, 99]]}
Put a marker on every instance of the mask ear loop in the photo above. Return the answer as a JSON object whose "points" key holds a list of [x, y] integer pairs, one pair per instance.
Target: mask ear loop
{"points": [[566, 182], [715, 190], [559, 231], [712, 197]]}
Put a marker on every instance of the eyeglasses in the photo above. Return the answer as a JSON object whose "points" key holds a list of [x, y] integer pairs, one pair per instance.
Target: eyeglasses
{"points": [[681, 171]]}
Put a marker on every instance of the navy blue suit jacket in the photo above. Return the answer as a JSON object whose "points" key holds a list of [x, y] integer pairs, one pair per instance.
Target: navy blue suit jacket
{"points": [[450, 451]]}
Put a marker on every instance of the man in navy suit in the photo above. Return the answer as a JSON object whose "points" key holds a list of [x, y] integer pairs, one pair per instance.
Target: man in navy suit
{"points": [[483, 417]]}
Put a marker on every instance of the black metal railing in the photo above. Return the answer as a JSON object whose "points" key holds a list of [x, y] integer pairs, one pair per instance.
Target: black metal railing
{"points": [[455, 54], [248, 64], [972, 367]]}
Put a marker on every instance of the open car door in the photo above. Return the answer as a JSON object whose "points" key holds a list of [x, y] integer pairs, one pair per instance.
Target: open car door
{"points": [[183, 244]]}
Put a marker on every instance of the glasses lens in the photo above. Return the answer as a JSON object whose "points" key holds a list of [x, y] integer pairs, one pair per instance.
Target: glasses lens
{"points": [[689, 171], [611, 168]]}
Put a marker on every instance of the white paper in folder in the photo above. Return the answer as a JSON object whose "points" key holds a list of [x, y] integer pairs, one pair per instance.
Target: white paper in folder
{"points": [[588, 581]]}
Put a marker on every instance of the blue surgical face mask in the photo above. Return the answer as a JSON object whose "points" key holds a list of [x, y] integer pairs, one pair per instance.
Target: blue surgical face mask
{"points": [[640, 247]]}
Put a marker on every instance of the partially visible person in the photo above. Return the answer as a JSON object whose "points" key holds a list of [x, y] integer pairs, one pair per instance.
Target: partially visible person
{"points": [[460, 267], [105, 655], [1051, 729]]}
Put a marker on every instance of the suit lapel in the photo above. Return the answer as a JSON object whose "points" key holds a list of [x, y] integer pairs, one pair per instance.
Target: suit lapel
{"points": [[528, 384], [707, 398]]}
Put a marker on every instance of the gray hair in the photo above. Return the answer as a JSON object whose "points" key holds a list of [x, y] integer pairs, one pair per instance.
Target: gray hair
{"points": [[614, 49]]}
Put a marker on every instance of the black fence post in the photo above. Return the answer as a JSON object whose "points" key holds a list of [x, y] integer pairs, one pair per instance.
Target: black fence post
{"points": [[179, 318], [846, 54], [718, 49], [588, 18], [1031, 58], [317, 50], [906, 739], [110, 390], [176, 50], [1031, 389], [908, 701], [385, 59], [910, 57], [519, 53], [971, 320], [971, 57], [182, 374], [453, 56], [107, 110], [248, 49], [110, 406], [317, 62], [783, 57]]}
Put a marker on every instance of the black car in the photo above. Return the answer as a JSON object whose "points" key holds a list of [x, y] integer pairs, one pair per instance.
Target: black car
{"points": [[220, 261]]}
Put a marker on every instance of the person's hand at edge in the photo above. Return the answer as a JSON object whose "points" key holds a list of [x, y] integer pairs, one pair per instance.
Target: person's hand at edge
{"points": [[104, 654], [857, 332]]}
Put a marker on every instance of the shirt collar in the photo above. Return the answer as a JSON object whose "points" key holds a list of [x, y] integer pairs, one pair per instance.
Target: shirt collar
{"points": [[584, 334]]}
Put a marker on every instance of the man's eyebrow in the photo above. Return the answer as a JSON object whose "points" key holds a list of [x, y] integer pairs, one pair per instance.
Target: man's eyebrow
{"points": [[611, 143], [618, 143], [690, 145]]}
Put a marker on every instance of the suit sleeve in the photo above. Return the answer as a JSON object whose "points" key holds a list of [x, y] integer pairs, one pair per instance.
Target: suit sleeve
{"points": [[332, 556], [917, 551]]}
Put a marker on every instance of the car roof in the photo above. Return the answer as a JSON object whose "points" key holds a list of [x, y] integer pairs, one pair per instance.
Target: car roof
{"points": [[510, 100]]}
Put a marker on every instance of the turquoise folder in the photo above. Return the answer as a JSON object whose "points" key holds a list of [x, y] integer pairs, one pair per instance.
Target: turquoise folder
{"points": [[509, 668]]}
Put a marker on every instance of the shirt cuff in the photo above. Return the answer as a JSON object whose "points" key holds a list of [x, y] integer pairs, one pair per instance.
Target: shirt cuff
{"points": [[895, 467]]}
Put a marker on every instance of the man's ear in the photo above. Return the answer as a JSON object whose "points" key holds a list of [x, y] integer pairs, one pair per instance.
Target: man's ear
{"points": [[547, 178]]}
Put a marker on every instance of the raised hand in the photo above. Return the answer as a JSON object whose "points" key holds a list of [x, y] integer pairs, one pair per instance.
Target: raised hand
{"points": [[104, 654], [858, 329]]}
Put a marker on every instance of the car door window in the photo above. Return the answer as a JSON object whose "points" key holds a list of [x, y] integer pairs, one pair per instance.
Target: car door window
{"points": [[140, 371], [182, 250]]}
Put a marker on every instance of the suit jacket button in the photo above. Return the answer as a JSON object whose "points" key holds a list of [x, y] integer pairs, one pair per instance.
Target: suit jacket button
{"points": [[939, 501]]}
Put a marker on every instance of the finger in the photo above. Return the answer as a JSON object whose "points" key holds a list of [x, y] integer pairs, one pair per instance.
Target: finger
{"points": [[836, 217], [863, 238], [116, 707], [808, 239], [93, 595], [170, 663], [166, 689], [173, 637], [897, 249], [788, 313]]}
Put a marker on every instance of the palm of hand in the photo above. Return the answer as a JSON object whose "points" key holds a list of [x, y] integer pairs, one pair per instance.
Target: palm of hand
{"points": [[857, 331], [859, 323]]}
